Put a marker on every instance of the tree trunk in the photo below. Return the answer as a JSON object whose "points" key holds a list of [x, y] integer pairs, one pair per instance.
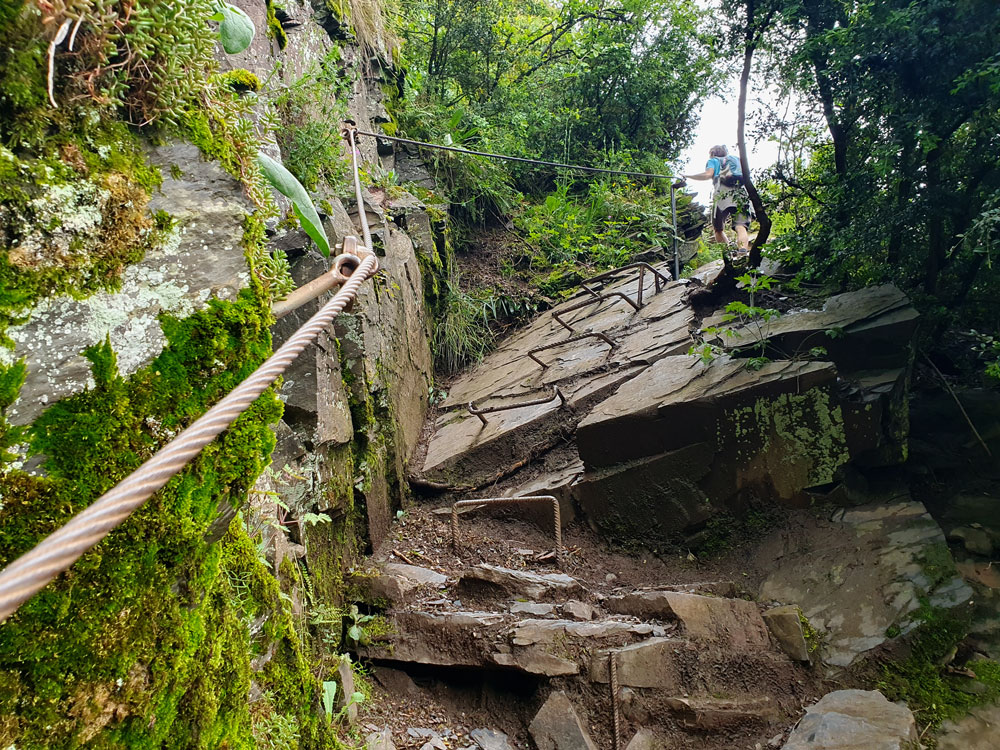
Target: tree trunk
{"points": [[758, 205]]}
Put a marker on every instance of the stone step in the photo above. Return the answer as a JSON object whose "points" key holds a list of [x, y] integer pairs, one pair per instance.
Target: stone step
{"points": [[679, 666], [734, 623], [484, 640], [493, 580]]}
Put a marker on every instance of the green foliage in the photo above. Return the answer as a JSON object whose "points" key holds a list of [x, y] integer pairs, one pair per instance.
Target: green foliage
{"points": [[274, 731], [236, 30], [987, 349], [329, 694], [310, 111], [922, 680], [462, 334], [560, 79], [285, 183], [604, 227], [889, 168], [752, 323]]}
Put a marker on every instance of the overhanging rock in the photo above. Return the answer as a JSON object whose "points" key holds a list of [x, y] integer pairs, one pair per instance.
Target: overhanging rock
{"points": [[686, 438]]}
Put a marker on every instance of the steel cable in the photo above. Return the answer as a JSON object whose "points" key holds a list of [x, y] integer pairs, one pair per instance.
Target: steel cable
{"points": [[521, 159], [31, 572]]}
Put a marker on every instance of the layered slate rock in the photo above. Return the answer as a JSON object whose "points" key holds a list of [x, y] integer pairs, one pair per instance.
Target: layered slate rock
{"points": [[464, 451], [733, 623], [863, 576], [855, 720], [666, 441], [670, 449]]}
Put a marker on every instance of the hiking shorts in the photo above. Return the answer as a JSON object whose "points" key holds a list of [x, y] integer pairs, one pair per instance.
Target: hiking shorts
{"points": [[731, 202]]}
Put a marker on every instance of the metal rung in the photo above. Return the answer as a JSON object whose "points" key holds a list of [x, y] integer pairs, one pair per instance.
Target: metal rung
{"points": [[642, 266], [586, 302], [473, 409]]}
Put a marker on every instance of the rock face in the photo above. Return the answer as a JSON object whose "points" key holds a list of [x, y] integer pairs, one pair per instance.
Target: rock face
{"points": [[855, 720], [863, 576], [666, 441], [201, 259], [557, 726]]}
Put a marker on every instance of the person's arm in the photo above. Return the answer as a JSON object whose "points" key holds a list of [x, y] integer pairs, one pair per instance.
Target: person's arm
{"points": [[708, 174]]}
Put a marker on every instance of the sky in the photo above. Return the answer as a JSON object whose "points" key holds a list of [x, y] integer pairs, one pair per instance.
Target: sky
{"points": [[718, 125]]}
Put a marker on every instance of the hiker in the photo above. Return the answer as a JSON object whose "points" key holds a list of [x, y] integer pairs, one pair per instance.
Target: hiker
{"points": [[729, 197]]}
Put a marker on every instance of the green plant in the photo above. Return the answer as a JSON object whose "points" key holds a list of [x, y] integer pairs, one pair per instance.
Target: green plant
{"points": [[357, 635], [236, 30], [276, 731], [285, 183], [329, 696], [751, 322]]}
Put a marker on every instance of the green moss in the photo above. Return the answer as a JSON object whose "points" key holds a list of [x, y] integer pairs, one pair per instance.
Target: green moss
{"points": [[274, 28], [147, 621], [920, 680], [564, 277], [73, 216], [813, 638], [238, 80]]}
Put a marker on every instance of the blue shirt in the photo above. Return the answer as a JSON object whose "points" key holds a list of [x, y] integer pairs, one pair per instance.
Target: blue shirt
{"points": [[715, 164]]}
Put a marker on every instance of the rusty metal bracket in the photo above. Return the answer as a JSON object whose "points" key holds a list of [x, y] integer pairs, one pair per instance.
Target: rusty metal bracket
{"points": [[616, 718], [473, 409], [584, 303], [509, 501], [570, 340], [660, 279]]}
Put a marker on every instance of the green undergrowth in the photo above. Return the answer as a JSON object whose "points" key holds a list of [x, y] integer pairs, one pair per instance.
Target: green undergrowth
{"points": [[141, 644], [922, 679]]}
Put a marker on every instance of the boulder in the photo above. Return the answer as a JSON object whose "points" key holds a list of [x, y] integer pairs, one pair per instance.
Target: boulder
{"points": [[733, 623], [557, 726], [776, 432], [578, 610], [785, 624], [644, 740], [855, 720], [975, 540], [978, 730], [396, 581], [862, 576], [874, 326]]}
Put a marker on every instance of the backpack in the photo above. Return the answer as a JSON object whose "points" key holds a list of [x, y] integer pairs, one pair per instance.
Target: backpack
{"points": [[727, 177]]}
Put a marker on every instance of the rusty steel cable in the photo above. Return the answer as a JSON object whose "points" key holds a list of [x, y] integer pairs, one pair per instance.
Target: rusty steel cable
{"points": [[32, 571], [506, 502]]}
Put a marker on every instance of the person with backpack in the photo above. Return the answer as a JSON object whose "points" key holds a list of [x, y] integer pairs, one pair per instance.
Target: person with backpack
{"points": [[729, 197]]}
